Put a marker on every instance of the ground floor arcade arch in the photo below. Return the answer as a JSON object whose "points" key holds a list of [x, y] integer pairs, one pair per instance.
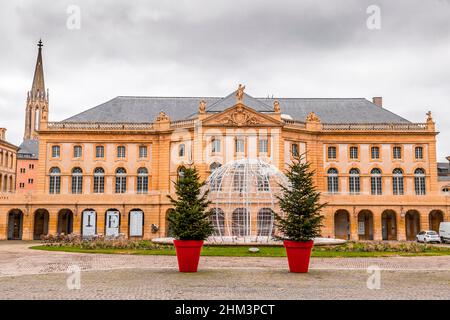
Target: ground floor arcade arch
{"points": [[65, 221], [412, 224], [389, 225], [41, 220], [15, 224], [434, 219], [342, 224], [365, 225]]}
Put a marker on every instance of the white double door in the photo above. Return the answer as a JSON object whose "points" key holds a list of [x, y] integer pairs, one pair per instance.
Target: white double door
{"points": [[89, 223], [112, 223]]}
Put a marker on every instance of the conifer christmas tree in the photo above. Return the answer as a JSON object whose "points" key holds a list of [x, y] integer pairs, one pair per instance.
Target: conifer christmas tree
{"points": [[190, 218], [300, 204]]}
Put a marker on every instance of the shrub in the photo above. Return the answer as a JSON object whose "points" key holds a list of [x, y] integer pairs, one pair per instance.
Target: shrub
{"points": [[100, 242]]}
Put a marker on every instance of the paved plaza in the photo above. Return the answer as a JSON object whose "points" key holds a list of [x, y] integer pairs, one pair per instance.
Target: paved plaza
{"points": [[33, 274]]}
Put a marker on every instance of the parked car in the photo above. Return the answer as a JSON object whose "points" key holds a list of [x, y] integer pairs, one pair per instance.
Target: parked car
{"points": [[444, 231], [428, 236]]}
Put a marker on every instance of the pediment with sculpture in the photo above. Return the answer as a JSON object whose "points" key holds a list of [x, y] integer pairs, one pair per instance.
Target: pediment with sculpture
{"points": [[240, 115]]}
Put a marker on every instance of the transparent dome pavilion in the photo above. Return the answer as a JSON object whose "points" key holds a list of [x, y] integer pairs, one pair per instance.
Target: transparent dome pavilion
{"points": [[243, 195]]}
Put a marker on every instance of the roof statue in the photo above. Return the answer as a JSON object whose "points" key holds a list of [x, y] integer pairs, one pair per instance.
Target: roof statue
{"points": [[202, 106], [240, 92], [162, 116], [276, 106], [312, 117], [429, 117]]}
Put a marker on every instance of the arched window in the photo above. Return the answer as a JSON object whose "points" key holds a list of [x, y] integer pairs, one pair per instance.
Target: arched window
{"points": [[265, 222], [180, 172], [263, 183], [217, 219], [397, 182], [99, 180], [333, 180], [181, 150], [214, 166], [240, 222], [77, 181], [121, 180], [419, 181], [55, 181], [142, 180], [238, 179], [354, 185], [216, 182], [376, 185]]}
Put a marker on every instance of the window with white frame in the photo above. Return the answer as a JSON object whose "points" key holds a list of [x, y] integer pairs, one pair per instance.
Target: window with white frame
{"points": [[77, 181], [55, 181], [142, 181], [121, 152], [215, 145], [99, 151], [238, 179], [375, 153], [332, 152], [263, 145], [295, 150], [354, 181], [56, 151], [419, 181], [121, 180], [353, 152], [397, 182], [99, 180], [143, 152], [239, 145], [263, 183], [216, 183], [419, 152], [333, 180], [376, 182], [77, 151], [397, 152], [181, 150]]}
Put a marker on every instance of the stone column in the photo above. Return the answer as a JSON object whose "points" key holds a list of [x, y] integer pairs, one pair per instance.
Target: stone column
{"points": [[52, 221], [377, 226], [354, 225], [401, 230]]}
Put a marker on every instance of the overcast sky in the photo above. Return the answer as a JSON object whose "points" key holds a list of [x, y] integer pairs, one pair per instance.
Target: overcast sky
{"points": [[205, 48]]}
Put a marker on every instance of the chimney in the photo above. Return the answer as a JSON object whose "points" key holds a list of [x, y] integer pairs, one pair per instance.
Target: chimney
{"points": [[378, 101]]}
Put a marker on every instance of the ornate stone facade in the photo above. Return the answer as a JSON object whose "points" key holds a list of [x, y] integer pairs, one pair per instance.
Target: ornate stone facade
{"points": [[378, 177]]}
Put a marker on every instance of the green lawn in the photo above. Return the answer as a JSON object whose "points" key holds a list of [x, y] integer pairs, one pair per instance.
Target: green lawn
{"points": [[242, 251]]}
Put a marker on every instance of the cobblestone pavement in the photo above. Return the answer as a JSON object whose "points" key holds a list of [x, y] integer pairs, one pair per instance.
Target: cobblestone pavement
{"points": [[33, 274]]}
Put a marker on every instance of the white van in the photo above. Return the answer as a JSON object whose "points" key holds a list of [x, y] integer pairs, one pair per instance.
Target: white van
{"points": [[444, 231]]}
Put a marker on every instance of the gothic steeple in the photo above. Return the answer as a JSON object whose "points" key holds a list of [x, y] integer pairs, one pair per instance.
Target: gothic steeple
{"points": [[38, 87], [37, 100]]}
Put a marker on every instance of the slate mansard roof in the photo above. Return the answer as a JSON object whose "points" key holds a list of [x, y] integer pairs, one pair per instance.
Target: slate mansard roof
{"points": [[29, 149], [145, 109]]}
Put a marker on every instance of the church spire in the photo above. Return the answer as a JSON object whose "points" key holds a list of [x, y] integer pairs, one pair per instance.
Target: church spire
{"points": [[38, 87], [36, 113]]}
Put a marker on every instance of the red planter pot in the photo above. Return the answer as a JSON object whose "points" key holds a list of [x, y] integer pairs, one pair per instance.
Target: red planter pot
{"points": [[298, 254], [188, 254]]}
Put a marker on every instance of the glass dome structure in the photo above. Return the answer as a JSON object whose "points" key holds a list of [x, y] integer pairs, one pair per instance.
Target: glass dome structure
{"points": [[243, 195]]}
